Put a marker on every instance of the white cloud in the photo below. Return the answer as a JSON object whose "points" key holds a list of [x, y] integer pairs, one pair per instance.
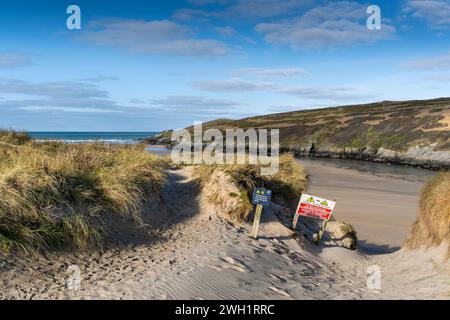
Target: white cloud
{"points": [[12, 59], [68, 96], [197, 106], [189, 105], [438, 77], [435, 12], [312, 93], [151, 37], [69, 109], [192, 101], [206, 2], [233, 84], [244, 9], [100, 78], [439, 62], [267, 73], [330, 25], [66, 89], [226, 31]]}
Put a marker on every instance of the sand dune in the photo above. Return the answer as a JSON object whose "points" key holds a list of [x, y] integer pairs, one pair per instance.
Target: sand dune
{"points": [[196, 254]]}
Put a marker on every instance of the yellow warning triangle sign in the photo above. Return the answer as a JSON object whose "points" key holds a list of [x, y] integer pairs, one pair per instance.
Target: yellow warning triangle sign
{"points": [[324, 203], [310, 200]]}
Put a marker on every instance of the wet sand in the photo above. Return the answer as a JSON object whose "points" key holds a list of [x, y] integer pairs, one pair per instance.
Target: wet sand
{"points": [[159, 150], [379, 200]]}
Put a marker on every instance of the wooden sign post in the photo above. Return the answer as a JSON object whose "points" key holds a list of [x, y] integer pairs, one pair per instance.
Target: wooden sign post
{"points": [[258, 214], [321, 232], [296, 216], [261, 197]]}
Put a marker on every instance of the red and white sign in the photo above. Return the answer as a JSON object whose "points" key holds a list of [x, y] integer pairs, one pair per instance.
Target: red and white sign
{"points": [[315, 207]]}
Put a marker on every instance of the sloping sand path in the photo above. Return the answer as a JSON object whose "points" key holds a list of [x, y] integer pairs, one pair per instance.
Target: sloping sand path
{"points": [[198, 255]]}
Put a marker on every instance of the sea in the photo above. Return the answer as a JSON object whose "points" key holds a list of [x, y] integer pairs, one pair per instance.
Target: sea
{"points": [[88, 137]]}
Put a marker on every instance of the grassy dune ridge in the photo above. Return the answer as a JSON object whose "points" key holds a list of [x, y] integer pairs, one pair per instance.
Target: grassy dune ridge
{"points": [[392, 131], [289, 182], [53, 194], [433, 225]]}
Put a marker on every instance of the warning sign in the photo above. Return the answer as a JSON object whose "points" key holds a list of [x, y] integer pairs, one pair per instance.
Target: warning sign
{"points": [[315, 207], [262, 196]]}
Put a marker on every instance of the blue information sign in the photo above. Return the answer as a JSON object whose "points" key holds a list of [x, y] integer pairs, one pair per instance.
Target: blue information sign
{"points": [[262, 196]]}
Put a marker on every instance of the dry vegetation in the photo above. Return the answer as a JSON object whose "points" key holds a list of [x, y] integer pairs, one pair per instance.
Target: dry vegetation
{"points": [[56, 195], [352, 129], [433, 225], [287, 184]]}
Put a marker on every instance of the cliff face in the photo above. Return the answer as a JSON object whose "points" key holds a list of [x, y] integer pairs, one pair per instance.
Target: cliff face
{"points": [[409, 132]]}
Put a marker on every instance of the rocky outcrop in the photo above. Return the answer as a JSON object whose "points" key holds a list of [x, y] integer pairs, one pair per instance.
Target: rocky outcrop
{"points": [[164, 138], [421, 156], [343, 234]]}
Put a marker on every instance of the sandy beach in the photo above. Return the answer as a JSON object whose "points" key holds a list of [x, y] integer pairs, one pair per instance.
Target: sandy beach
{"points": [[380, 201], [196, 254], [225, 150]]}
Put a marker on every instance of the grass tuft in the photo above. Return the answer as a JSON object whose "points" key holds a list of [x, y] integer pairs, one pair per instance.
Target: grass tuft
{"points": [[55, 195], [287, 184], [14, 137], [433, 225]]}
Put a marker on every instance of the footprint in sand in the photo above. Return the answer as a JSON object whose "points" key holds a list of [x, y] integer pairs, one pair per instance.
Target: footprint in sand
{"points": [[236, 265]]}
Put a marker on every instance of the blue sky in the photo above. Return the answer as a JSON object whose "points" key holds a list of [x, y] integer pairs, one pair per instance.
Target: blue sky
{"points": [[153, 65]]}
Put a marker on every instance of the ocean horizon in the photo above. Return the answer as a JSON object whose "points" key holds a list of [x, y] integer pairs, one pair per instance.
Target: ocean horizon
{"points": [[86, 137]]}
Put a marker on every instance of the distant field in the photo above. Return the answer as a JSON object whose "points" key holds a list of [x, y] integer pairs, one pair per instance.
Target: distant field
{"points": [[384, 130]]}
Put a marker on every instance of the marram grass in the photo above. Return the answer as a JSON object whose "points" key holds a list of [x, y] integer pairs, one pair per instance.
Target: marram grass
{"points": [[287, 184], [55, 195], [433, 225]]}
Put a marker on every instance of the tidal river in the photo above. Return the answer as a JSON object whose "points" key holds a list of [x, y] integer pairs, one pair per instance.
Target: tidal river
{"points": [[379, 200]]}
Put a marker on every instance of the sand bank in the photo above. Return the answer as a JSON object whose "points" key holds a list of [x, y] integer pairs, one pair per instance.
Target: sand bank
{"points": [[380, 201]]}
